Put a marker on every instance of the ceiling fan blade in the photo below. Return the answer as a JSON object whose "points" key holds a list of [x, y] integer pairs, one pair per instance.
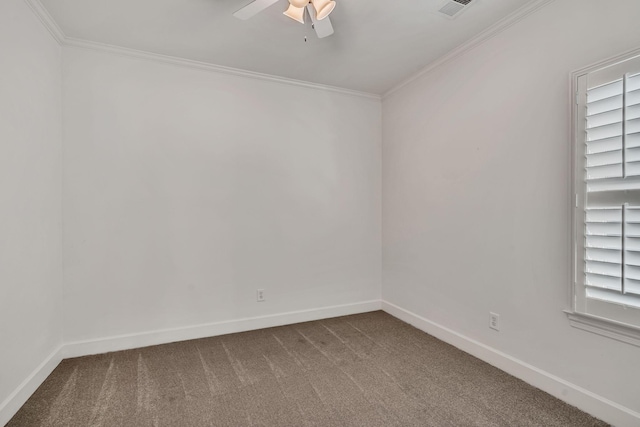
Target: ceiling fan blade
{"points": [[323, 27], [253, 8]]}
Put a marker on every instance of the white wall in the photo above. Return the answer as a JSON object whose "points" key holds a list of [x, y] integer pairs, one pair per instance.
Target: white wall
{"points": [[186, 190], [476, 183], [30, 196]]}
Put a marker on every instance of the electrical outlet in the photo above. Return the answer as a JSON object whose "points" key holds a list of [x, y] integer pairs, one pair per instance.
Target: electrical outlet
{"points": [[494, 321], [260, 295]]}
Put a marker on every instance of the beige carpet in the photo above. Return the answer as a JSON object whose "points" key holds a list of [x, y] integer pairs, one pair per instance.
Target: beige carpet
{"points": [[363, 370]]}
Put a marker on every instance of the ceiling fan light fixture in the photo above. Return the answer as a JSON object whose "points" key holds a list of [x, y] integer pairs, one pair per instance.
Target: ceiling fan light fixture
{"points": [[295, 13], [323, 8]]}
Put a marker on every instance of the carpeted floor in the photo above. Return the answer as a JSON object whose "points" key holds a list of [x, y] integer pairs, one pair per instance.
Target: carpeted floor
{"points": [[363, 370]]}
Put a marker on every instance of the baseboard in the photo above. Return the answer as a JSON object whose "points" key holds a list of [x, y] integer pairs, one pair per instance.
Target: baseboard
{"points": [[126, 342], [579, 397], [14, 402]]}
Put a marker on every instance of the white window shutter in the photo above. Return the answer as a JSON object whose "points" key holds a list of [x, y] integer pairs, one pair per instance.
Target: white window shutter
{"points": [[612, 184]]}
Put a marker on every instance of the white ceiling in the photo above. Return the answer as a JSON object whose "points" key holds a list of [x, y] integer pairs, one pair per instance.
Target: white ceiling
{"points": [[377, 43]]}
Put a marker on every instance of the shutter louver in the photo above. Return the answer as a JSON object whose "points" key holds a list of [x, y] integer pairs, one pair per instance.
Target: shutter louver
{"points": [[603, 247]]}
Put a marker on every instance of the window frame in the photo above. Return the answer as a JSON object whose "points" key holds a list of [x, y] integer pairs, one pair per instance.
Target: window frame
{"points": [[579, 317]]}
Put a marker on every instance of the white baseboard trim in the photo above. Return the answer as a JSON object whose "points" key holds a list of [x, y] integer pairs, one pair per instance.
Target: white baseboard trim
{"points": [[579, 397], [145, 339], [14, 402]]}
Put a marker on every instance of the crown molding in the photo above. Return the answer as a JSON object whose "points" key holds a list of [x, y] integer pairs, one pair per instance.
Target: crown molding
{"points": [[41, 12], [474, 42], [205, 66], [49, 23]]}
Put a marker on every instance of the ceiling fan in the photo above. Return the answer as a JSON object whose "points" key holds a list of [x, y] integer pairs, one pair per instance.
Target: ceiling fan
{"points": [[318, 11]]}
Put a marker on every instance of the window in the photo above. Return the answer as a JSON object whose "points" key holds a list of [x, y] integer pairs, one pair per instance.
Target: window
{"points": [[606, 279]]}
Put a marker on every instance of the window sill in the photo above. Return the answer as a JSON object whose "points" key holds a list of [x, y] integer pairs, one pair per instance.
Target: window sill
{"points": [[607, 328]]}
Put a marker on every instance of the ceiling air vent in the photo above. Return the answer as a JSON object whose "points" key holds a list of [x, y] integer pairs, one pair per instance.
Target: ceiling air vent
{"points": [[453, 8]]}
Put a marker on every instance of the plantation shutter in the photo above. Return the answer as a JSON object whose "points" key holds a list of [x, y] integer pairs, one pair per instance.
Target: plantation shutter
{"points": [[612, 183]]}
